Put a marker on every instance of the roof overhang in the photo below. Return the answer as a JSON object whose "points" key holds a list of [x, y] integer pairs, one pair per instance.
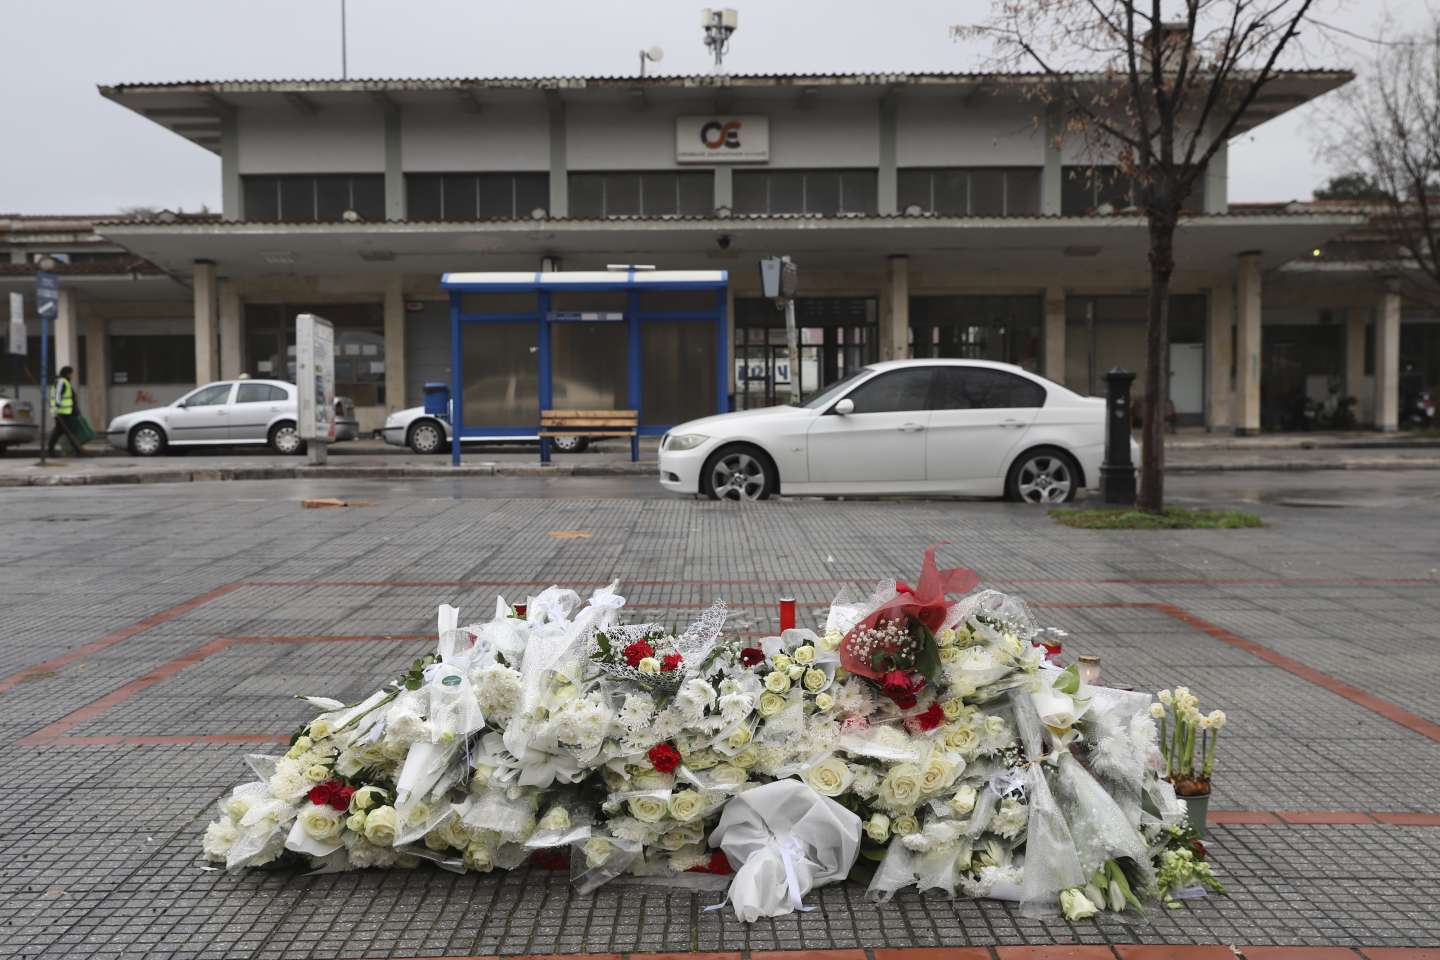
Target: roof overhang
{"points": [[1031, 245], [110, 287]]}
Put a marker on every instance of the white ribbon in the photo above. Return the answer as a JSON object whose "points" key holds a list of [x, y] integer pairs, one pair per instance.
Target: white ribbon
{"points": [[792, 850]]}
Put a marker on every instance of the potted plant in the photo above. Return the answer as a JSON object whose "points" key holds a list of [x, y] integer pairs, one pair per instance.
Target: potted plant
{"points": [[1187, 745]]}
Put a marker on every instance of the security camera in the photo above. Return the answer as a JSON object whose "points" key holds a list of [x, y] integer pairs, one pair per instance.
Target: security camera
{"points": [[723, 241]]}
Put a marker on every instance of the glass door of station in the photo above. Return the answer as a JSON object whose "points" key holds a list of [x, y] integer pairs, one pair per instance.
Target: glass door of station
{"points": [[838, 335]]}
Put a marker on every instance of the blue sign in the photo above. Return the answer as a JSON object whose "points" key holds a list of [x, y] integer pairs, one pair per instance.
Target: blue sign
{"points": [[47, 295]]}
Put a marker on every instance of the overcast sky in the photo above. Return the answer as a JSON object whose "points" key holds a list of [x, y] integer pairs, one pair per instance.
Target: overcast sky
{"points": [[64, 149]]}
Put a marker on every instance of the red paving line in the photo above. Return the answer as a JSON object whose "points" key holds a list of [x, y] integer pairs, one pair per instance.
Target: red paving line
{"points": [[850, 581], [116, 636]]}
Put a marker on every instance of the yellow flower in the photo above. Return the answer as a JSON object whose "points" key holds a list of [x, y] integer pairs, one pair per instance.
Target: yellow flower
{"points": [[962, 738], [815, 679], [804, 654], [777, 682], [770, 703]]}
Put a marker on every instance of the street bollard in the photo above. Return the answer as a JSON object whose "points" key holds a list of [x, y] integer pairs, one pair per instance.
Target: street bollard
{"points": [[1117, 473]]}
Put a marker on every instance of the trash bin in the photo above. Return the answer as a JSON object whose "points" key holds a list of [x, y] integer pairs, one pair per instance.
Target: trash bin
{"points": [[437, 399]]}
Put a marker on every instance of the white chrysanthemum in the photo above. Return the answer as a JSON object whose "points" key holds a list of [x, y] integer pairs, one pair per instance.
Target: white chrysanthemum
{"points": [[363, 853], [866, 782], [689, 857], [220, 836], [1010, 819], [637, 712], [853, 699], [735, 706], [289, 781], [497, 690], [695, 696]]}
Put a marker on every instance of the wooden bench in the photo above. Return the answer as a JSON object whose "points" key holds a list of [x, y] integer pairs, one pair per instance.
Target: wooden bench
{"points": [[589, 423]]}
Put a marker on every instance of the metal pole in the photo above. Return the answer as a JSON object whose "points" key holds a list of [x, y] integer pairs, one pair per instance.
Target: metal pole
{"points": [[344, 53], [792, 343], [44, 381]]}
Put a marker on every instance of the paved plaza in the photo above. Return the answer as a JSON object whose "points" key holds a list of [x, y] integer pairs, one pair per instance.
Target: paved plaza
{"points": [[154, 635]]}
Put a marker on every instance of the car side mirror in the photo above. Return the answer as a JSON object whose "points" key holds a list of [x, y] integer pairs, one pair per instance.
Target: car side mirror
{"points": [[846, 406]]}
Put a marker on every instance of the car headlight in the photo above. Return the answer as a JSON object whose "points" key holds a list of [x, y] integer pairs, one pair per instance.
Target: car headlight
{"points": [[685, 441]]}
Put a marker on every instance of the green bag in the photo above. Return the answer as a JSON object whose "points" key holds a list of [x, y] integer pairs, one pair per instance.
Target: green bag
{"points": [[85, 433]]}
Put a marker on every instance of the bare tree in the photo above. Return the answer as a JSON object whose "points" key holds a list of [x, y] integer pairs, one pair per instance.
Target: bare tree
{"points": [[1389, 132], [1156, 89]]}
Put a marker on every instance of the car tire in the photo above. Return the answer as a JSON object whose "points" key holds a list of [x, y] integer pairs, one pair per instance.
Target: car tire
{"points": [[147, 440], [569, 444], [1046, 476], [739, 472], [425, 437], [285, 439]]}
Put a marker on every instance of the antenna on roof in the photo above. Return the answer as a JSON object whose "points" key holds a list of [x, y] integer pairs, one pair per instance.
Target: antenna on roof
{"points": [[719, 24], [653, 55], [344, 53]]}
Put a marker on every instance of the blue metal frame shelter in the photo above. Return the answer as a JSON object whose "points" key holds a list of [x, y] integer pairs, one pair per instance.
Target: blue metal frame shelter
{"points": [[631, 282]]}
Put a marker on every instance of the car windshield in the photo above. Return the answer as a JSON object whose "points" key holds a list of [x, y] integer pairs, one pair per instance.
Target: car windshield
{"points": [[831, 393]]}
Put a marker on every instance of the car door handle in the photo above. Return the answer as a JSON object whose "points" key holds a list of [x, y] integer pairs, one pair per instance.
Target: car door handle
{"points": [[1012, 423], [911, 427]]}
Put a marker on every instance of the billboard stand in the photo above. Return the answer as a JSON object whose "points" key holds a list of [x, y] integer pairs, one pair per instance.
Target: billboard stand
{"points": [[315, 383]]}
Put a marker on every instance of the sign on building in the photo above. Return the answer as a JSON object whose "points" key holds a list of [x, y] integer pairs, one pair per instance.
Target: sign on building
{"points": [[722, 138], [17, 324], [315, 376]]}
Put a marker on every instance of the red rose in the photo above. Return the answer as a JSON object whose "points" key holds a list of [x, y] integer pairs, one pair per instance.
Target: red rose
{"points": [[903, 700], [896, 681], [932, 717], [664, 757], [320, 794], [751, 656], [340, 798], [670, 662], [638, 651], [1199, 848]]}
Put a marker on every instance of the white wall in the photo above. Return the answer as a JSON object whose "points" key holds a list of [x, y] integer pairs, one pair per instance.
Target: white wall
{"points": [[502, 137], [936, 131], [335, 139]]}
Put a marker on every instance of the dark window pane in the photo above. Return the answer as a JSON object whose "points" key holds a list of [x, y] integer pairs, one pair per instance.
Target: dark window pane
{"points": [[987, 193], [422, 196], [587, 195], [659, 191], [1022, 192], [532, 192], [697, 194], [858, 191], [787, 192], [749, 191], [899, 390], [254, 393], [367, 196], [952, 192], [460, 196], [168, 358], [212, 396], [622, 194], [332, 198], [497, 196], [262, 201], [297, 198], [1113, 188], [822, 192], [1077, 193], [912, 188]]}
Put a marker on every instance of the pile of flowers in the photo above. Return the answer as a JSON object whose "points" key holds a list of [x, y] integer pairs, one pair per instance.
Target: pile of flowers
{"points": [[917, 738]]}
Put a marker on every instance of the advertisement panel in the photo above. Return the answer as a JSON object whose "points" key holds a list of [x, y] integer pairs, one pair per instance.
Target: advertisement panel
{"points": [[315, 376], [17, 338], [722, 138]]}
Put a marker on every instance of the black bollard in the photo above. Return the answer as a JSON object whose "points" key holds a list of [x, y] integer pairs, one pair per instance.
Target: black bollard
{"points": [[1117, 473]]}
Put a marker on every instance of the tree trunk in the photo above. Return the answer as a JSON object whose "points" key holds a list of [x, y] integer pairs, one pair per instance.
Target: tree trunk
{"points": [[1157, 363]]}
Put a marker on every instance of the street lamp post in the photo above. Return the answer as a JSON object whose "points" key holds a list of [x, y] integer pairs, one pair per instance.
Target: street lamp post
{"points": [[47, 305]]}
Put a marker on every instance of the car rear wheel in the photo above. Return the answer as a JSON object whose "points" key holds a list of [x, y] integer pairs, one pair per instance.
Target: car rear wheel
{"points": [[1043, 476], [738, 473], [570, 444], [147, 440], [425, 437], [285, 439]]}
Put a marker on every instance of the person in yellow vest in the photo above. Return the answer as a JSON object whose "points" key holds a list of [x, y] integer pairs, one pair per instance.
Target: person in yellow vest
{"points": [[62, 407]]}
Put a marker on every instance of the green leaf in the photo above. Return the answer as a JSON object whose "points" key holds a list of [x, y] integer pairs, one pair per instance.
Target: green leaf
{"points": [[1069, 681], [927, 651], [879, 660], [602, 643]]}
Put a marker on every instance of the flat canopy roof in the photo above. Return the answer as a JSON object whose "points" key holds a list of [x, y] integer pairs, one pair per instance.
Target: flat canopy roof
{"points": [[627, 279]]}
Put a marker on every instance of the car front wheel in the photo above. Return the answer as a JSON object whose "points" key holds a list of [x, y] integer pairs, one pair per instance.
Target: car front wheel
{"points": [[1044, 476], [570, 444], [147, 440], [285, 439], [738, 473], [426, 438]]}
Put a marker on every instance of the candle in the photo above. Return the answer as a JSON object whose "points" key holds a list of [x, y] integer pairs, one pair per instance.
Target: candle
{"points": [[787, 613], [1090, 668], [520, 609]]}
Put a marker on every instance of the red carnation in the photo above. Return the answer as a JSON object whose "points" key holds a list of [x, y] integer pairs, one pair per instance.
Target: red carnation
{"points": [[670, 662], [896, 681], [664, 757], [1198, 848], [903, 700], [751, 656], [638, 651], [931, 718]]}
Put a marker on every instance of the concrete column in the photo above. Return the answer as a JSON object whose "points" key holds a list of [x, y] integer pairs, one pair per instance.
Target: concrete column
{"points": [[724, 188], [232, 205], [559, 159], [887, 179], [394, 174], [207, 364], [1247, 344], [1387, 360], [1055, 333], [97, 372], [895, 310], [1216, 181], [1052, 174], [230, 329], [730, 336], [67, 332], [1219, 354], [394, 343], [1356, 332]]}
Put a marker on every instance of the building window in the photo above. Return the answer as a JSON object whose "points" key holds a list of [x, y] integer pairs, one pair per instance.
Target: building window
{"points": [[971, 191], [475, 196], [816, 192], [310, 198], [359, 346], [686, 193], [167, 358], [1008, 329], [1090, 190], [27, 367]]}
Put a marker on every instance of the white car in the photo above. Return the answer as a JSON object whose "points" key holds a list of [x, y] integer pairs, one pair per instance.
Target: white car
{"points": [[954, 427], [426, 433], [224, 414]]}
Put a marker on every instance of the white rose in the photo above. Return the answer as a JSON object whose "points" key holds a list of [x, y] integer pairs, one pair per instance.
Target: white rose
{"points": [[380, 826], [597, 851], [322, 823], [746, 758], [686, 805], [1157, 710], [900, 790], [771, 703], [365, 798], [815, 679], [777, 681], [831, 641], [739, 738], [830, 777], [781, 661], [905, 826], [317, 773], [556, 819], [320, 728], [356, 822], [648, 665], [646, 809], [804, 654], [964, 800], [1076, 906], [728, 775], [877, 828], [962, 738], [824, 701], [940, 771], [478, 857]]}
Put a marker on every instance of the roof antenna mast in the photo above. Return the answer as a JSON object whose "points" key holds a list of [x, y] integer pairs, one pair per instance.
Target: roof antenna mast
{"points": [[344, 53], [719, 24]]}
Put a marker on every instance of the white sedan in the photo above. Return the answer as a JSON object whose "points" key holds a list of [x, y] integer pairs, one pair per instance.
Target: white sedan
{"points": [[953, 427]]}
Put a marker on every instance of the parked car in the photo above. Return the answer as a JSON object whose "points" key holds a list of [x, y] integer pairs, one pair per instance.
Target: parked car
{"points": [[426, 433], [17, 423], [347, 427], [964, 427], [228, 413]]}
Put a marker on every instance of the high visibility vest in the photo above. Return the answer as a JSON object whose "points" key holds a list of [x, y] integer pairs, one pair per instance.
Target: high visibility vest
{"points": [[62, 400]]}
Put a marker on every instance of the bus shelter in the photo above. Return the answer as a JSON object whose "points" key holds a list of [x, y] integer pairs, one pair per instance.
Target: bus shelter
{"points": [[644, 340]]}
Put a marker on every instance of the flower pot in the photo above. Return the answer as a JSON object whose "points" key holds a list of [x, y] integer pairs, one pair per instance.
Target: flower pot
{"points": [[1197, 807]]}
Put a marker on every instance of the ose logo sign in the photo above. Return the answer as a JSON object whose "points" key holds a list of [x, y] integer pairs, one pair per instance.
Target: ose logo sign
{"points": [[742, 139]]}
